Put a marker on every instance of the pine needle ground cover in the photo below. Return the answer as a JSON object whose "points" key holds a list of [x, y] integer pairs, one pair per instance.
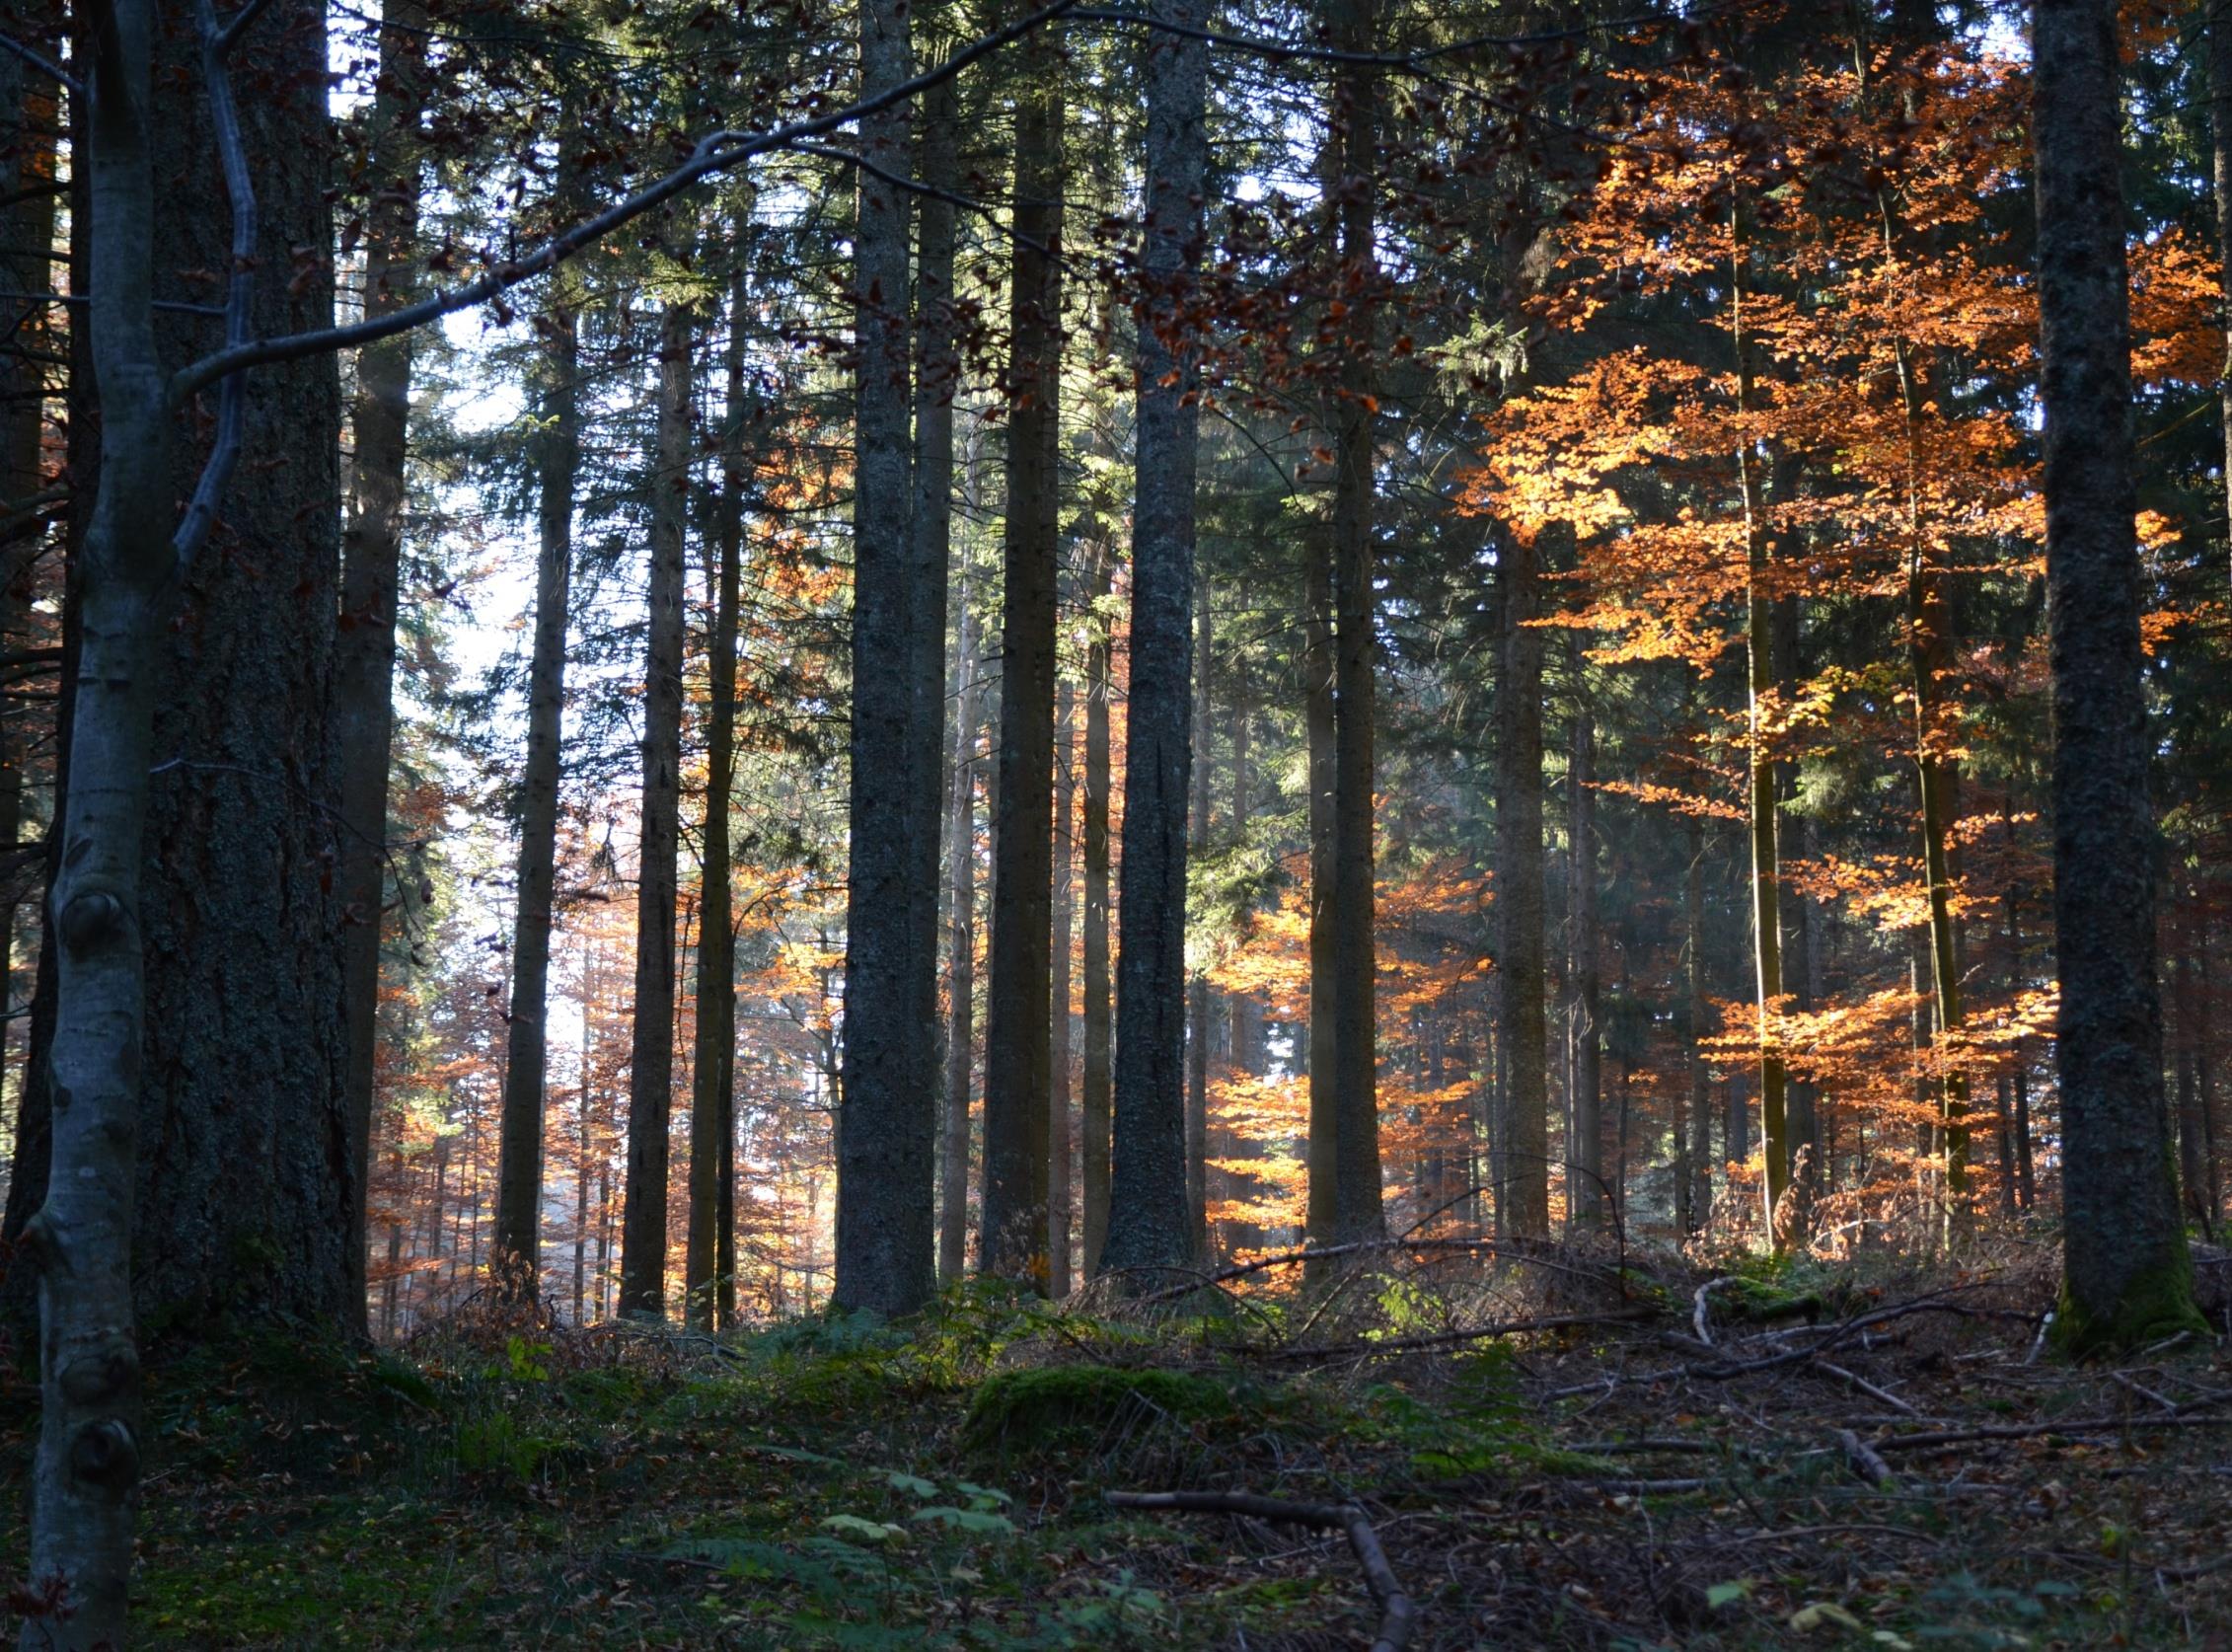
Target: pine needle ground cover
{"points": [[1727, 1459]]}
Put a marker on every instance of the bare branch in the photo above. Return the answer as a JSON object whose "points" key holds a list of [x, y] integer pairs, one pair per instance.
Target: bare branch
{"points": [[239, 295], [1282, 52], [915, 187], [232, 31], [714, 152], [172, 304], [43, 64]]}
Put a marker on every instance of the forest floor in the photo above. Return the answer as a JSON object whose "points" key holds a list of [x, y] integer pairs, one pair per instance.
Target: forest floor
{"points": [[1891, 1462]]}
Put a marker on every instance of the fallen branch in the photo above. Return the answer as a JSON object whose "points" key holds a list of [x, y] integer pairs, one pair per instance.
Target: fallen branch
{"points": [[1502, 1250], [1453, 1339], [1397, 1612], [2031, 1431], [1866, 1461], [1700, 1314]]}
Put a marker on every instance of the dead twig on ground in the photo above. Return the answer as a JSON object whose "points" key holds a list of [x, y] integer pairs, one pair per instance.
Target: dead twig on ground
{"points": [[1397, 1612]]}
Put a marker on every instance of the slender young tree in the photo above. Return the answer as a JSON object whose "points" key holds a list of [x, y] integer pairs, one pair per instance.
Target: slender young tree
{"points": [[712, 1071], [961, 953], [1198, 1008], [1322, 1147], [1094, 1101], [886, 1128], [1522, 1146], [1584, 1197], [1016, 1025], [650, 1059], [1061, 1203], [2220, 134], [2127, 1276], [1356, 1193], [558, 462], [1764, 801], [1149, 1221]]}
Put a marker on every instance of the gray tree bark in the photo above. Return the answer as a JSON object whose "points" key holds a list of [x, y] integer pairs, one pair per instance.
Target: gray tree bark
{"points": [[887, 1124], [1094, 1108], [1357, 1192], [1061, 1204], [961, 960], [1198, 1011], [364, 656], [712, 1126], [1585, 1187], [1017, 1056], [1523, 1144], [1149, 1219], [651, 1079], [2127, 1277], [1766, 869], [558, 462]]}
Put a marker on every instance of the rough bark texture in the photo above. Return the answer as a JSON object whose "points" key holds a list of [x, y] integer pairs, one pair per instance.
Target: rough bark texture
{"points": [[961, 955], [1522, 1146], [650, 1060], [519, 1151], [1699, 1012], [887, 1124], [1149, 1217], [938, 371], [712, 1062], [84, 1478], [1016, 1071], [245, 1175], [1759, 679], [2220, 131], [1197, 982], [2127, 1276], [1584, 1187], [1096, 1099], [1061, 1183], [1356, 1193], [364, 655], [1323, 1149]]}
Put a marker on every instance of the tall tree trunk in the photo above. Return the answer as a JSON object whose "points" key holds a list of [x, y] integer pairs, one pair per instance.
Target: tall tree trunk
{"points": [[961, 955], [650, 1059], [1585, 1177], [712, 1062], [242, 1020], [937, 378], [886, 1128], [1802, 1097], [245, 1114], [2220, 133], [1149, 1221], [1197, 984], [1322, 1147], [558, 463], [1016, 1025], [2128, 1275], [1098, 674], [585, 1136], [1357, 1208], [1700, 1073], [1061, 1187], [29, 107], [364, 652], [2193, 1123], [1766, 872], [30, 115], [1523, 1151]]}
